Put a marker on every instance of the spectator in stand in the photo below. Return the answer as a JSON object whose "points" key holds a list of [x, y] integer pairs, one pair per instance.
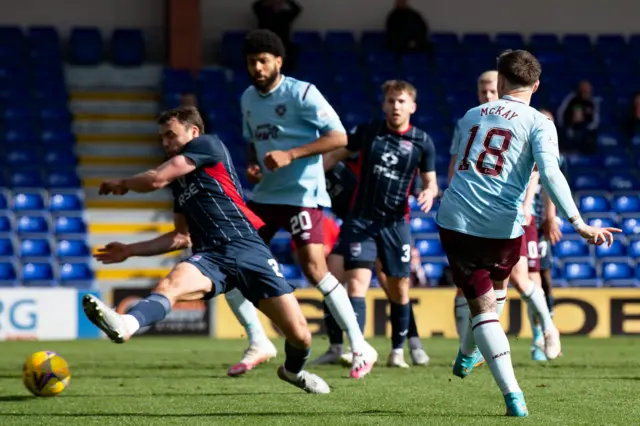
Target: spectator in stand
{"points": [[278, 16], [407, 30], [632, 120], [578, 119]]}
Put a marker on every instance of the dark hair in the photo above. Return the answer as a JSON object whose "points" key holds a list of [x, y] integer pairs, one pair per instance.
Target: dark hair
{"points": [[519, 67], [263, 41], [185, 115]]}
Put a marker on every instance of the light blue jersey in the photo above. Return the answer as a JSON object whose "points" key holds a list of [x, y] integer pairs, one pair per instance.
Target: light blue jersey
{"points": [[498, 144], [293, 114]]}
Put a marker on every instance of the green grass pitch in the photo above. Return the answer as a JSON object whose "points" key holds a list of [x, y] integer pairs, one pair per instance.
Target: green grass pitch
{"points": [[177, 381]]}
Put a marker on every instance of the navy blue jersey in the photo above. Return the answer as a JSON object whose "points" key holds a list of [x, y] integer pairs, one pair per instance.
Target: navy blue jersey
{"points": [[211, 198], [341, 181], [388, 165]]}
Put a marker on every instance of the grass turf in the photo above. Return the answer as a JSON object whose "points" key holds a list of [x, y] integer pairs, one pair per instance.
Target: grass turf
{"points": [[172, 381]]}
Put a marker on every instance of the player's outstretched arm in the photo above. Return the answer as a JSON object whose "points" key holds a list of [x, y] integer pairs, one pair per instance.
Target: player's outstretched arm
{"points": [[330, 159], [150, 180], [178, 239]]}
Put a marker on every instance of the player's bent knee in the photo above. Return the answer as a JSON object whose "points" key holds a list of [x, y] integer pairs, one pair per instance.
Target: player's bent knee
{"points": [[398, 289], [184, 282]]}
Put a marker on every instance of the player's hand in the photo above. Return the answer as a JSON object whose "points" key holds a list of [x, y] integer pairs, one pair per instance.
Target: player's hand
{"points": [[275, 160], [551, 230], [598, 236], [254, 174], [113, 186], [425, 200], [113, 253], [527, 215]]}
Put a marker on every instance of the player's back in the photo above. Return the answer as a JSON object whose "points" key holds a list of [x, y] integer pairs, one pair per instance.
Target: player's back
{"points": [[291, 115], [494, 165]]}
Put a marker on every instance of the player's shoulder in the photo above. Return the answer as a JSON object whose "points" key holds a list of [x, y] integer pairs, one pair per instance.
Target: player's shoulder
{"points": [[421, 136], [298, 88], [206, 143], [249, 92]]}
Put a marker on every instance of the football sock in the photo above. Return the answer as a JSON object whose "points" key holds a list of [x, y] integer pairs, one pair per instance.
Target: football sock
{"points": [[501, 299], [462, 316], [295, 358], [333, 329], [152, 309], [360, 308], [399, 317], [413, 327], [247, 315], [534, 297], [494, 346], [337, 300], [468, 345]]}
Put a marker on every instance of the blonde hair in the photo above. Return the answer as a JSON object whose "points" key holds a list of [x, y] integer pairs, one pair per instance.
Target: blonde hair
{"points": [[488, 77], [399, 86]]}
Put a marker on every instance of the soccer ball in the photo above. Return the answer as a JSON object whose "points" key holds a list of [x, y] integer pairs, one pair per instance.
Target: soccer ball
{"points": [[45, 374]]}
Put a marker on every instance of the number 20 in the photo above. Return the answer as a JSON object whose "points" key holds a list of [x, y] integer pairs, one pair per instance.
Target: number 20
{"points": [[496, 169], [300, 222]]}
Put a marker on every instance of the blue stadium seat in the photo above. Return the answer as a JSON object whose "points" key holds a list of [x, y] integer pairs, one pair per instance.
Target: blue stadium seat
{"points": [[291, 272], [32, 224], [72, 248], [429, 248], [340, 40], [18, 113], [127, 47], [634, 248], [308, 39], [594, 204], [544, 42], [65, 202], [476, 41], [55, 113], [63, 180], [603, 222], [65, 225], [423, 225], [571, 248], [28, 200], [609, 140], [76, 274], [413, 204], [58, 138], [594, 182], [577, 43], [618, 161], [7, 247], [434, 271], [581, 274], [20, 137], [373, 40], [60, 158], [623, 181], [617, 249], [6, 222], [85, 46], [38, 274], [35, 247], [511, 41], [626, 204], [444, 41], [8, 274], [281, 248], [4, 200], [178, 81], [618, 274], [611, 43], [26, 179]]}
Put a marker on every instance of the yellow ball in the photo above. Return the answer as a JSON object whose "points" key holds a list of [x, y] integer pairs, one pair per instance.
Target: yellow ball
{"points": [[45, 374]]}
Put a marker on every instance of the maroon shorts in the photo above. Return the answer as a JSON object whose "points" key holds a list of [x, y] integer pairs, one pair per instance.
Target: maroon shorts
{"points": [[529, 248], [476, 262], [305, 224]]}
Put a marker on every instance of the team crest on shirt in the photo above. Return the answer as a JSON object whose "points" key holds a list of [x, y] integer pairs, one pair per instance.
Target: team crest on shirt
{"points": [[281, 110], [356, 249], [406, 147], [195, 258]]}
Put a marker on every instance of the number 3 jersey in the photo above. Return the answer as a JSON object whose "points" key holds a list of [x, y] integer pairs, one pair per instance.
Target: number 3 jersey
{"points": [[496, 147]]}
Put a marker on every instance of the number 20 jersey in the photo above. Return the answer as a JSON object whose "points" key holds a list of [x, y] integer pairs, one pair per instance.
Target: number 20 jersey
{"points": [[496, 145]]}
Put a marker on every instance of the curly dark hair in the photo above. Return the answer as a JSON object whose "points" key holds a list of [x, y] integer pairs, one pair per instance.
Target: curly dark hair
{"points": [[263, 41]]}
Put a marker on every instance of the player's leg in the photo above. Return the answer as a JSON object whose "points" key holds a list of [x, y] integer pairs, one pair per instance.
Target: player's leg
{"points": [[546, 280], [335, 262], [306, 228], [418, 354], [461, 312], [533, 264], [185, 282]]}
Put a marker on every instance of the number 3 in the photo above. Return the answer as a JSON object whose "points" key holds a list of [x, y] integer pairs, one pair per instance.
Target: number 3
{"points": [[276, 268], [496, 169], [406, 253], [300, 222]]}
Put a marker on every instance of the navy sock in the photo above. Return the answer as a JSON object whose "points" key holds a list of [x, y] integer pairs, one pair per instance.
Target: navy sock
{"points": [[151, 310], [399, 324], [413, 328], [360, 308], [333, 329], [550, 302], [295, 358]]}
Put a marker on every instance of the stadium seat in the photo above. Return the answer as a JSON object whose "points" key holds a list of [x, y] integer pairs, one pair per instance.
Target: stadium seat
{"points": [[630, 225], [8, 274], [32, 224], [618, 274], [65, 225], [65, 202], [434, 271], [544, 42], [582, 274], [281, 248], [66, 248], [63, 180], [26, 179], [340, 40], [35, 247], [634, 248], [38, 274], [617, 249], [621, 181], [566, 228], [626, 204], [24, 201], [618, 161], [7, 247], [6, 222], [58, 138], [577, 43], [593, 182], [85, 46], [571, 248], [594, 204], [603, 222], [429, 248], [423, 225], [291, 272], [127, 47], [76, 274]]}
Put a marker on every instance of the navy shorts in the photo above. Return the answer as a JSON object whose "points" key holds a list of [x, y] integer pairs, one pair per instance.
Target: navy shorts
{"points": [[246, 264], [361, 242], [545, 251]]}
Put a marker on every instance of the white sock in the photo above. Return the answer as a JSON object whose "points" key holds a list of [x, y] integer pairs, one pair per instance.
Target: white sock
{"points": [[501, 300], [534, 297], [468, 346], [337, 300], [462, 316], [247, 315], [494, 346], [131, 323]]}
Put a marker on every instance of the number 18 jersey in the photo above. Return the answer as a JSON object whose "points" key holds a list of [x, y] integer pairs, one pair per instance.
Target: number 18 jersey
{"points": [[496, 148]]}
